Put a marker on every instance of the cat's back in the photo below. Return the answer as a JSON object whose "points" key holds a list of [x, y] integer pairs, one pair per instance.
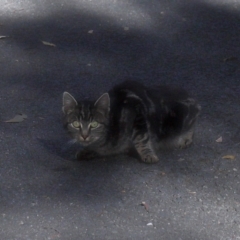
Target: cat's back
{"points": [[148, 95], [167, 93]]}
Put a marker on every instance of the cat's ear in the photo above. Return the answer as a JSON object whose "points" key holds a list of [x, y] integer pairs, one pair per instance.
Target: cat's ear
{"points": [[69, 103], [103, 104]]}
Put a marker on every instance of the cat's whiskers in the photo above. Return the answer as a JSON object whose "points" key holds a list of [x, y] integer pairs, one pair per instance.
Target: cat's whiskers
{"points": [[69, 144], [72, 142]]}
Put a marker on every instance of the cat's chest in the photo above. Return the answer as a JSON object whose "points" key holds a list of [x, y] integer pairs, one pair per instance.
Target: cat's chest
{"points": [[122, 146]]}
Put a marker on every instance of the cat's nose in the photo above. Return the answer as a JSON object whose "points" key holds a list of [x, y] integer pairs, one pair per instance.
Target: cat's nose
{"points": [[84, 136]]}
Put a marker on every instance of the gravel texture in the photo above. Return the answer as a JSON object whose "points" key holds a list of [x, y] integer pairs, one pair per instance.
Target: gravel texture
{"points": [[192, 194]]}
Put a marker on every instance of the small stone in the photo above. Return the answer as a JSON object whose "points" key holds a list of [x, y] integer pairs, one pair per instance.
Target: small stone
{"points": [[181, 159], [219, 140]]}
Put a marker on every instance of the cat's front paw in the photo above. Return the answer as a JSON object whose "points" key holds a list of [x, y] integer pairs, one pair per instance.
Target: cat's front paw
{"points": [[150, 158]]}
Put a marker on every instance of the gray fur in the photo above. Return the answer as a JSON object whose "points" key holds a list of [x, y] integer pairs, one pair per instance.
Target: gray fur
{"points": [[131, 116]]}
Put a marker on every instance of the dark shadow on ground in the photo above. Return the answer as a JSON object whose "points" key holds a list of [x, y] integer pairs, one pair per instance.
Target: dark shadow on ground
{"points": [[193, 45]]}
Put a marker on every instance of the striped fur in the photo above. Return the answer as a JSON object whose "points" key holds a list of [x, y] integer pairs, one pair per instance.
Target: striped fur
{"points": [[132, 115]]}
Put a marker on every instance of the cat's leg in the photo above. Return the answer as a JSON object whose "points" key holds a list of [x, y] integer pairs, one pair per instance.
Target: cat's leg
{"points": [[143, 145], [192, 110], [185, 139]]}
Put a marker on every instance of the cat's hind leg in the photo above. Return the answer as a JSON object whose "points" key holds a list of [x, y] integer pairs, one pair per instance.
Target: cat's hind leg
{"points": [[143, 145], [185, 139]]}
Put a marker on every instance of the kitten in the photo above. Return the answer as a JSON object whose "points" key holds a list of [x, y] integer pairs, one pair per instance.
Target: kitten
{"points": [[132, 115]]}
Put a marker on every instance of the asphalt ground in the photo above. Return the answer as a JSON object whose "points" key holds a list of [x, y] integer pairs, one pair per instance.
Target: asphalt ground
{"points": [[85, 47]]}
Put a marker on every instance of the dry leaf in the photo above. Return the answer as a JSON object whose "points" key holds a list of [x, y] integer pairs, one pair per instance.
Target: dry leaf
{"points": [[145, 206], [232, 58], [230, 157], [18, 118], [191, 191], [150, 224], [181, 159], [48, 44], [90, 31], [1, 37], [219, 140]]}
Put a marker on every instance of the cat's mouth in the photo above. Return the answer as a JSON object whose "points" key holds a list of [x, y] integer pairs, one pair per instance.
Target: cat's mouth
{"points": [[84, 140], [87, 141]]}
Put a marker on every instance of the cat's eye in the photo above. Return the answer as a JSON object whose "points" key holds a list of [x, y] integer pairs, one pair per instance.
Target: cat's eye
{"points": [[76, 124], [94, 124]]}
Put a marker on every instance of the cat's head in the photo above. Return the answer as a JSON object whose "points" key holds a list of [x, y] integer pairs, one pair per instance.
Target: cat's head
{"points": [[86, 121]]}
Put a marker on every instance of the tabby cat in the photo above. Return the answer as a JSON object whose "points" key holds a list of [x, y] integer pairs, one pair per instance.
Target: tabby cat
{"points": [[131, 116]]}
